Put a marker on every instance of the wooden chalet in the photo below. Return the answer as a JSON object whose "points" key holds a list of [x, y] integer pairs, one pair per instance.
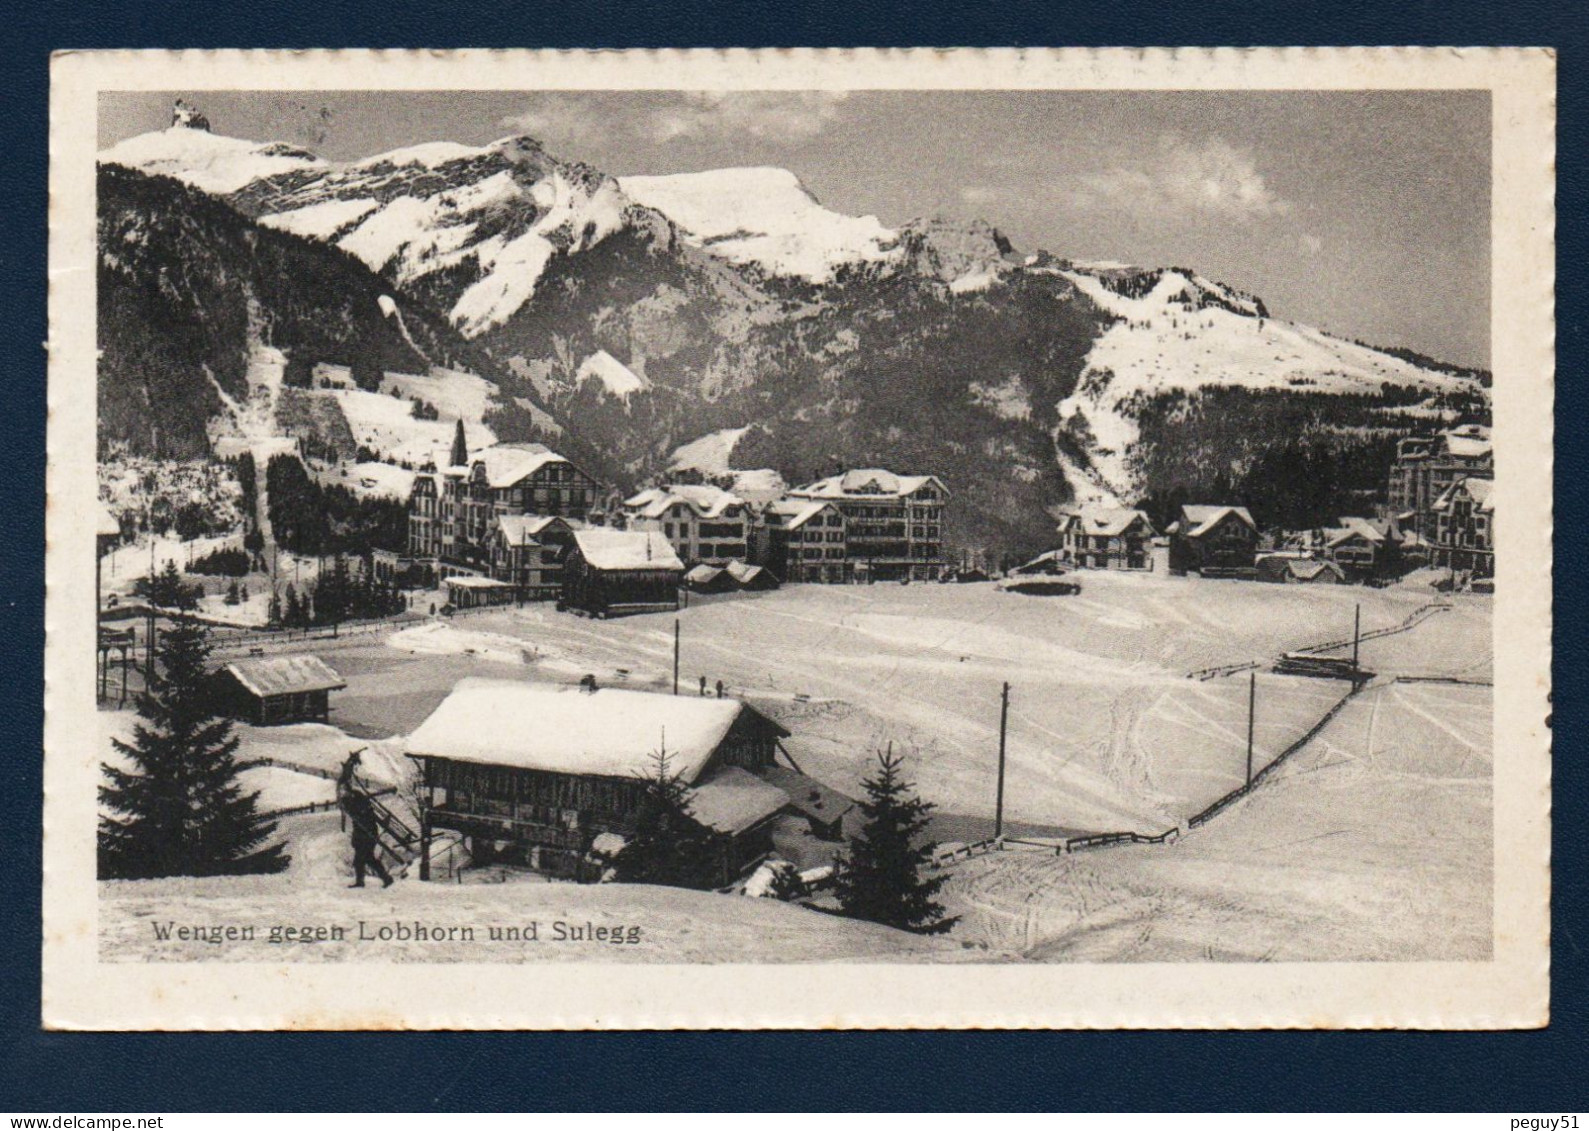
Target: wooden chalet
{"points": [[611, 572], [268, 690], [1214, 541], [536, 772]]}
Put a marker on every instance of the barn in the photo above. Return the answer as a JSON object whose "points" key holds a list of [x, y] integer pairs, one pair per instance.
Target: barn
{"points": [[613, 572], [268, 690], [536, 772]]}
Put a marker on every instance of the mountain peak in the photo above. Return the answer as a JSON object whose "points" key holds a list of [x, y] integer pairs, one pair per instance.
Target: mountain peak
{"points": [[188, 117]]}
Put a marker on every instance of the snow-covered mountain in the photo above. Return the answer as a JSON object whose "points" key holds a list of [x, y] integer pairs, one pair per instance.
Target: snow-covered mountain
{"points": [[732, 309], [209, 161], [766, 219]]}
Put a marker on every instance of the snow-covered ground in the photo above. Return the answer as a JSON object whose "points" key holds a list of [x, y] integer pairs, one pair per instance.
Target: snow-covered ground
{"points": [[1373, 843], [454, 394], [710, 453], [125, 564], [1106, 732], [385, 424], [763, 217], [382, 479], [673, 925]]}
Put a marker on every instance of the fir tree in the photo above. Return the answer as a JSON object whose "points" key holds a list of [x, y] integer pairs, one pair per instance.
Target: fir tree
{"points": [[669, 845], [880, 878], [293, 612], [178, 807], [232, 596], [274, 614]]}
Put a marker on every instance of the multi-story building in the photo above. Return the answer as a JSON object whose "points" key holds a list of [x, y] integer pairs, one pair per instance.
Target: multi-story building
{"points": [[1093, 536], [453, 512], [1427, 466], [1464, 534], [701, 522], [893, 523], [803, 540]]}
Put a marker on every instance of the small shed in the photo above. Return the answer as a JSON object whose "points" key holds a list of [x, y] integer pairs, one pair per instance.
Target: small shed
{"points": [[750, 577], [268, 690], [708, 579], [622, 571]]}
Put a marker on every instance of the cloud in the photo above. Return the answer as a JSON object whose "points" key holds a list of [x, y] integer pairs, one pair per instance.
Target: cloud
{"points": [[1211, 177], [791, 115]]}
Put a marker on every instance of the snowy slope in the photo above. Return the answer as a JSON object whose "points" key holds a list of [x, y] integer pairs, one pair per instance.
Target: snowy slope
{"points": [[763, 217], [1174, 338], [208, 161], [616, 377], [385, 424], [710, 453], [496, 213]]}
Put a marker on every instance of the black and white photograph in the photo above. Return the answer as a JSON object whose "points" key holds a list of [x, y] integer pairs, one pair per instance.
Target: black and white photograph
{"points": [[850, 527]]}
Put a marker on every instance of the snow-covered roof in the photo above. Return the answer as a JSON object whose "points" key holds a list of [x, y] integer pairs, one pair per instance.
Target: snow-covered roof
{"points": [[1481, 491], [1305, 570], [702, 574], [519, 529], [507, 464], [705, 500], [743, 572], [626, 549], [1471, 441], [467, 582], [1199, 518], [612, 732], [733, 800], [1099, 519], [867, 482], [107, 526], [282, 675], [1365, 528], [797, 512]]}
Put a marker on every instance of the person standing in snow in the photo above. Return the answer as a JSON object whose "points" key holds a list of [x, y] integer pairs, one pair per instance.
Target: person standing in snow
{"points": [[360, 810]]}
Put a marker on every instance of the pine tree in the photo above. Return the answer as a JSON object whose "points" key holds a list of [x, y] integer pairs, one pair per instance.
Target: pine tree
{"points": [[669, 845], [460, 450], [274, 613], [293, 612], [178, 808], [880, 878], [232, 596]]}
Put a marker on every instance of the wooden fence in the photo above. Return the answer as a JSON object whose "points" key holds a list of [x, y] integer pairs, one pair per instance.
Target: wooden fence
{"points": [[1257, 779]]}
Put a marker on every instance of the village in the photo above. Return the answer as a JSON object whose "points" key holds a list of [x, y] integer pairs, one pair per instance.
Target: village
{"points": [[543, 640]]}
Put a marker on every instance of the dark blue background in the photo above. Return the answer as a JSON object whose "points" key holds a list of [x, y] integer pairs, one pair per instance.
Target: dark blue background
{"points": [[42, 1072]]}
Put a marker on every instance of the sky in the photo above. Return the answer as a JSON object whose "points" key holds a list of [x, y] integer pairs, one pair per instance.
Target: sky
{"points": [[1366, 214]]}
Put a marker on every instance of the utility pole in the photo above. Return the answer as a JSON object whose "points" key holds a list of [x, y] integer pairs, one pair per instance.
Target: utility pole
{"points": [[1004, 719], [1357, 626], [1252, 704], [675, 655]]}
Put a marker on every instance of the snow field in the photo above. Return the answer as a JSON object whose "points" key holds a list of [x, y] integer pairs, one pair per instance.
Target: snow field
{"points": [[383, 423], [1373, 843]]}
